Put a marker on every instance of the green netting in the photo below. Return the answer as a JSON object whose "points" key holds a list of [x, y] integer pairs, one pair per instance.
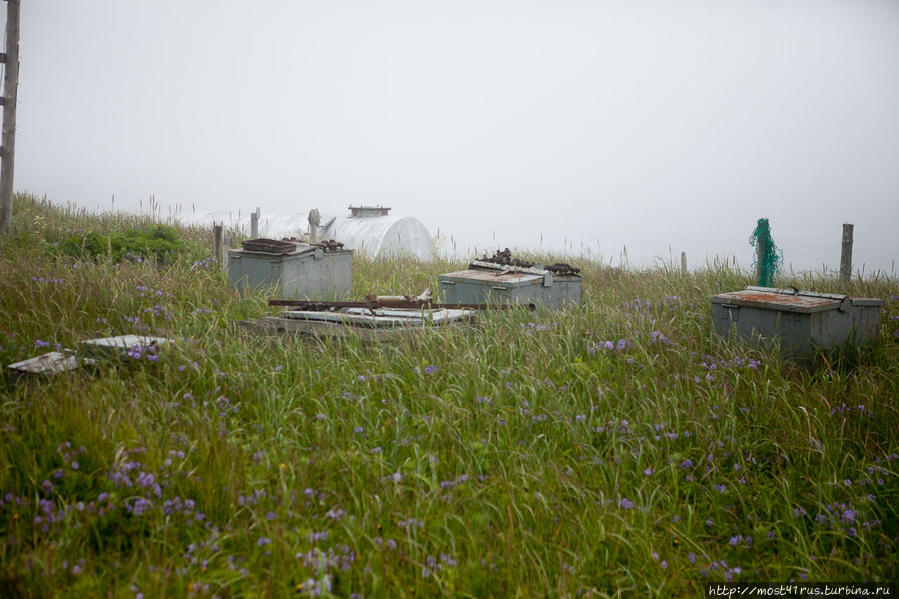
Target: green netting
{"points": [[768, 257]]}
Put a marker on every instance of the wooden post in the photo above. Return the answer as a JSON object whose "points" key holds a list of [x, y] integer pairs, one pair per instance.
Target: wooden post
{"points": [[846, 256], [683, 263], [10, 93], [229, 240], [254, 224], [759, 260], [217, 235]]}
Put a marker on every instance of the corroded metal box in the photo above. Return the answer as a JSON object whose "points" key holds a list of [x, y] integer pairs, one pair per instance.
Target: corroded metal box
{"points": [[803, 322], [308, 272], [486, 283]]}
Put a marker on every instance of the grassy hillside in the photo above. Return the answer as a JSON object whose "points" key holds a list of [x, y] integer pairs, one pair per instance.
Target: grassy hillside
{"points": [[523, 457]]}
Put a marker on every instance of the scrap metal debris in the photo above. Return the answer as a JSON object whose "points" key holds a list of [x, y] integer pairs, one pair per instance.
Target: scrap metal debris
{"points": [[329, 245], [505, 258], [563, 268]]}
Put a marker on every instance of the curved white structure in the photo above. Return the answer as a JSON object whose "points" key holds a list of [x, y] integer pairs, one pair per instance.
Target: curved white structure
{"points": [[379, 235], [373, 235]]}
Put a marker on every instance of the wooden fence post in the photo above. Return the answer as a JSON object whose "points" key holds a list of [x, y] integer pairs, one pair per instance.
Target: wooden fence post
{"points": [[846, 256], [683, 263], [229, 240], [217, 236], [254, 224], [761, 252]]}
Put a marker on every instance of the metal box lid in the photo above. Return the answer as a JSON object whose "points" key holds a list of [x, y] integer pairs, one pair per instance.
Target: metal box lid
{"points": [[269, 246], [492, 277], [790, 300], [302, 250]]}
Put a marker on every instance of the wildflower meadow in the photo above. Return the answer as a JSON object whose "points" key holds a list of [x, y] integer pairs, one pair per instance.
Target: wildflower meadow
{"points": [[616, 449]]}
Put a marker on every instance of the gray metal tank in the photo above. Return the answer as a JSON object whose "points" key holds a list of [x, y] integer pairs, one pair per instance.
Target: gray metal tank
{"points": [[306, 273], [803, 322]]}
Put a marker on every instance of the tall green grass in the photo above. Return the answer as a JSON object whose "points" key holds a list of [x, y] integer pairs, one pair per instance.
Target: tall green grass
{"points": [[521, 457]]}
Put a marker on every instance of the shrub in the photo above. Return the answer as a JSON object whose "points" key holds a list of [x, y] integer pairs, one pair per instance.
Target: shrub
{"points": [[160, 241]]}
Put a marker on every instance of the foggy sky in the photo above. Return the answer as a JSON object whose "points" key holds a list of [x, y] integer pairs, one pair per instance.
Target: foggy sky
{"points": [[593, 124]]}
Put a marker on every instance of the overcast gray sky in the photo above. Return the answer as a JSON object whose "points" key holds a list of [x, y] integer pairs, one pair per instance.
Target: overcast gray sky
{"points": [[650, 124]]}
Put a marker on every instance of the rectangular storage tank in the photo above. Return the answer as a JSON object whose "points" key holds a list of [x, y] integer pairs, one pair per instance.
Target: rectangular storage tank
{"points": [[482, 286], [307, 273], [803, 322]]}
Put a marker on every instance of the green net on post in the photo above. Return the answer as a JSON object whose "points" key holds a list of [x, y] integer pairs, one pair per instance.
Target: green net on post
{"points": [[768, 257]]}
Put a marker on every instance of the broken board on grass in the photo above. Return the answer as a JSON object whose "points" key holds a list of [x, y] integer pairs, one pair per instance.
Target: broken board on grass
{"points": [[49, 364], [380, 324], [121, 346]]}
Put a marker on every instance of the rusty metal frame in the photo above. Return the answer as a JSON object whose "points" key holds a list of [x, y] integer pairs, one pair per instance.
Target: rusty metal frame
{"points": [[375, 304]]}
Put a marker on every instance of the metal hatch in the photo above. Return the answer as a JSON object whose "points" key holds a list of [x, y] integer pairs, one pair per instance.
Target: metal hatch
{"points": [[784, 300], [496, 277]]}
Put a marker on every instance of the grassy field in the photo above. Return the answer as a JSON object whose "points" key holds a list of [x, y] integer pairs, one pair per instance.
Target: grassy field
{"points": [[526, 457]]}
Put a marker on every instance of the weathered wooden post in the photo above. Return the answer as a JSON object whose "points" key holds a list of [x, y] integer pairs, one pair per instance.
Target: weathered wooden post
{"points": [[759, 260], [254, 224], [683, 263], [846, 256], [229, 240], [10, 93], [217, 235]]}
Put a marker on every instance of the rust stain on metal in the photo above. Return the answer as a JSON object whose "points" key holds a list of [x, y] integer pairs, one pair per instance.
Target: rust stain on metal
{"points": [[779, 298]]}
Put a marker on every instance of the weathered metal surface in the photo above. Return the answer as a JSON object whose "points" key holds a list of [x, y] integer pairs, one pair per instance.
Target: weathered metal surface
{"points": [[383, 318], [489, 286], [801, 322], [487, 269], [269, 246], [310, 272], [364, 211], [120, 345], [47, 364], [777, 300], [795, 291]]}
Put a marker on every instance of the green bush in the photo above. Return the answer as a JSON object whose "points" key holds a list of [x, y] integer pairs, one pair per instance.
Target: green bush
{"points": [[159, 241]]}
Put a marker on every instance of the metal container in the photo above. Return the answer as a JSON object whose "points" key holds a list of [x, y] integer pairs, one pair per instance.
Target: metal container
{"points": [[484, 284], [309, 272], [803, 322]]}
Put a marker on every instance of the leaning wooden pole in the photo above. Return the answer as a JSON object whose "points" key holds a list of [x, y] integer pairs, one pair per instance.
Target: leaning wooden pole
{"points": [[10, 89]]}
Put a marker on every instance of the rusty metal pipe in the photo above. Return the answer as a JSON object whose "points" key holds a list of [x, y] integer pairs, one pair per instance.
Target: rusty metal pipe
{"points": [[329, 305]]}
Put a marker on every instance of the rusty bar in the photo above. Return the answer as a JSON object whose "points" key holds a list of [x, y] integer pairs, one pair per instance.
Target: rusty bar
{"points": [[327, 305]]}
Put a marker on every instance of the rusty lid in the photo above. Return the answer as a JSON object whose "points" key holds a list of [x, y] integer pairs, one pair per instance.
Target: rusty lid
{"points": [[784, 300], [492, 276], [269, 246]]}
